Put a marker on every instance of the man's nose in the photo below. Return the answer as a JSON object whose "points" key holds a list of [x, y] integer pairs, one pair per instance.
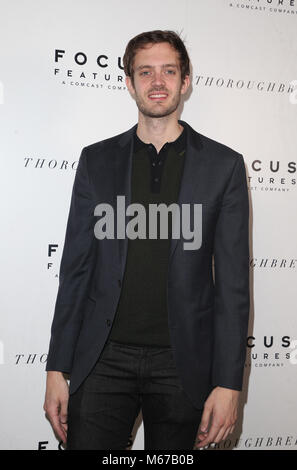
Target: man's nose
{"points": [[158, 78]]}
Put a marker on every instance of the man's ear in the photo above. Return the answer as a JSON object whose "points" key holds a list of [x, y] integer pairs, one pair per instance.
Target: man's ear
{"points": [[185, 85]]}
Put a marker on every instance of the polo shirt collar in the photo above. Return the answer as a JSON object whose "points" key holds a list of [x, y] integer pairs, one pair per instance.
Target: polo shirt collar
{"points": [[179, 144]]}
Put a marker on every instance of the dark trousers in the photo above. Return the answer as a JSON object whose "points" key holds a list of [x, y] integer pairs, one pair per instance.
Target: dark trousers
{"points": [[125, 380]]}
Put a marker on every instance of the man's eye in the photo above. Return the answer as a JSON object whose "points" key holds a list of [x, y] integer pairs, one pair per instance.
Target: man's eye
{"points": [[170, 72], [145, 72]]}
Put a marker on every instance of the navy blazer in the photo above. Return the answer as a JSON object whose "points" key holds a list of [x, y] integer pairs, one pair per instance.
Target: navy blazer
{"points": [[207, 288]]}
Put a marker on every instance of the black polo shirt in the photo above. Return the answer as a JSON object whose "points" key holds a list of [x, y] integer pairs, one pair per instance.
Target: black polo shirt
{"points": [[142, 315]]}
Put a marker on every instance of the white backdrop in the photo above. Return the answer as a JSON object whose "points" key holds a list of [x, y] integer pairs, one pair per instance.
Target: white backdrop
{"points": [[62, 88]]}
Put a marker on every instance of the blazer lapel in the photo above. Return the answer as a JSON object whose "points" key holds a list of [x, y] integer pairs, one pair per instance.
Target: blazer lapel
{"points": [[188, 185], [123, 185]]}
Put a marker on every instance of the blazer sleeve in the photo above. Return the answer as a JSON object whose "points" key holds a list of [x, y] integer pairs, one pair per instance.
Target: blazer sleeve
{"points": [[74, 274], [232, 301]]}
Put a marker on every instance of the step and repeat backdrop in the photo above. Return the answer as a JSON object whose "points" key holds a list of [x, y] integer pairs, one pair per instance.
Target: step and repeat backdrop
{"points": [[62, 87]]}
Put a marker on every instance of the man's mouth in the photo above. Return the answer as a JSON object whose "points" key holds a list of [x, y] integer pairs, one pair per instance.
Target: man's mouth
{"points": [[158, 96]]}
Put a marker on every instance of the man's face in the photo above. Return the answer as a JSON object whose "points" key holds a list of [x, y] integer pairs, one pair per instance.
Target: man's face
{"points": [[157, 80]]}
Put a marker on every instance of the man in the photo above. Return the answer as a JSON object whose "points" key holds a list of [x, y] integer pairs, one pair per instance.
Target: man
{"points": [[142, 323]]}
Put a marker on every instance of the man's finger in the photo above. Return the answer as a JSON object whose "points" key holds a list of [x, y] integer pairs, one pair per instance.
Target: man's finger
{"points": [[63, 415], [64, 427], [220, 435], [211, 436], [226, 433], [56, 424], [204, 424]]}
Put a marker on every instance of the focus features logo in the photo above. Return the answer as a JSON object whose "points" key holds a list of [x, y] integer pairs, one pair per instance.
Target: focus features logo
{"points": [[272, 176], [271, 351], [281, 7], [51, 263], [43, 445], [78, 69]]}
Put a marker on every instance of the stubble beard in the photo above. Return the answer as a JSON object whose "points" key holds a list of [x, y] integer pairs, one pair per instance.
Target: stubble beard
{"points": [[146, 111]]}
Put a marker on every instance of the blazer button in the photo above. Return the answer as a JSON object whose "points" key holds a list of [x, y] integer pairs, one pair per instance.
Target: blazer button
{"points": [[108, 322]]}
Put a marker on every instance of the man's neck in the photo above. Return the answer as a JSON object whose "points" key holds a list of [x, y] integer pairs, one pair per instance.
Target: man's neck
{"points": [[158, 131]]}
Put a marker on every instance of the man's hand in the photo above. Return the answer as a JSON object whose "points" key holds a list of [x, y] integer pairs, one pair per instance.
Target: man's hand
{"points": [[56, 402], [219, 416]]}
